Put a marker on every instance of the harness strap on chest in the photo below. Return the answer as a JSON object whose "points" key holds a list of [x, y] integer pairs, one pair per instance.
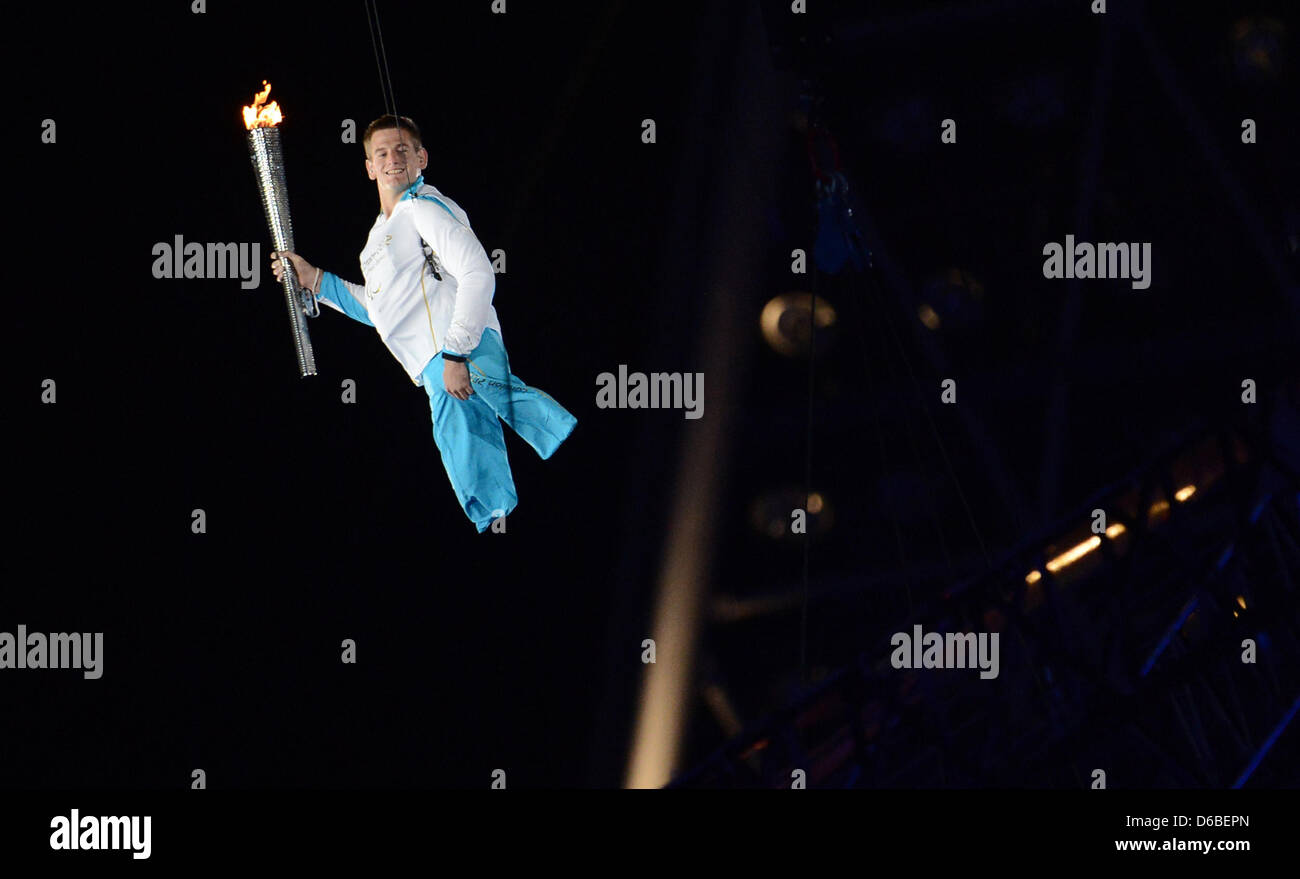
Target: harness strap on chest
{"points": [[423, 245]]}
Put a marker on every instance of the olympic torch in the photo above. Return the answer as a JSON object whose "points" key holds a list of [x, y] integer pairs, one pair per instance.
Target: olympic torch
{"points": [[268, 165]]}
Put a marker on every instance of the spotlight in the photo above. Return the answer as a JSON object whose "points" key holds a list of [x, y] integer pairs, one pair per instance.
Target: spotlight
{"points": [[954, 297], [786, 322], [772, 514]]}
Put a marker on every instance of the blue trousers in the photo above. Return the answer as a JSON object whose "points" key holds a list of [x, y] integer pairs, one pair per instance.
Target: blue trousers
{"points": [[469, 435]]}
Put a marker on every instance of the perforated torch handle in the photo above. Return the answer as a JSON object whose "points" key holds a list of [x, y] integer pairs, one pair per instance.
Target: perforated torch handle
{"points": [[268, 165]]}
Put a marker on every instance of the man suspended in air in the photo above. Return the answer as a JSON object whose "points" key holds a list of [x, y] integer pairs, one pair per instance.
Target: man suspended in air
{"points": [[428, 293]]}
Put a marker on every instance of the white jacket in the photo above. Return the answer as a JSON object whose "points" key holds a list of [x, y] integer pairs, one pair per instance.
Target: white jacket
{"points": [[416, 315]]}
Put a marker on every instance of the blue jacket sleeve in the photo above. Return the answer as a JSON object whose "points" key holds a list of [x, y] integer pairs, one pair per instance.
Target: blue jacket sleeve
{"points": [[344, 296]]}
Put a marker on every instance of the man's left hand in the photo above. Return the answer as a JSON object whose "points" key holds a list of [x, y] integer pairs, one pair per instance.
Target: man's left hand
{"points": [[455, 377]]}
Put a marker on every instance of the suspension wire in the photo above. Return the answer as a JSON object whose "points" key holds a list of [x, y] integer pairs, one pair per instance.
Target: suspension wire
{"points": [[385, 78], [808, 455], [938, 439], [879, 306], [1020, 638], [859, 310], [883, 310]]}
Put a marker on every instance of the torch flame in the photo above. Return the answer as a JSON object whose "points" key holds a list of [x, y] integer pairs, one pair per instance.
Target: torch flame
{"points": [[258, 116]]}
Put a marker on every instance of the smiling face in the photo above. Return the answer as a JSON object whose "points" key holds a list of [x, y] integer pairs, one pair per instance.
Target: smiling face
{"points": [[395, 158]]}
